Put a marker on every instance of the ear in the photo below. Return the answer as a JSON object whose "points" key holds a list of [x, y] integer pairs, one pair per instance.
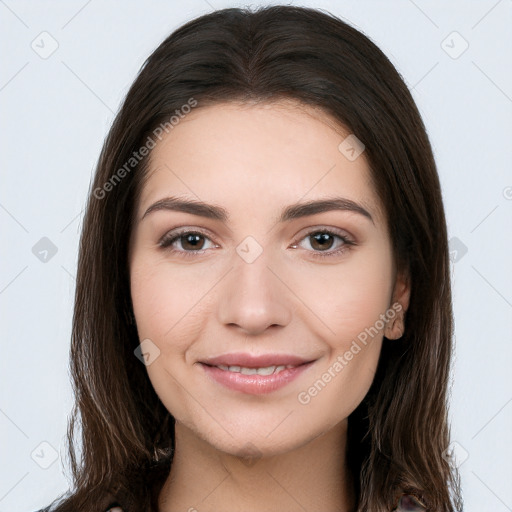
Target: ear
{"points": [[399, 304]]}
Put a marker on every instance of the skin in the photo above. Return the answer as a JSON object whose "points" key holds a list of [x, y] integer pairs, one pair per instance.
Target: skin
{"points": [[253, 161]]}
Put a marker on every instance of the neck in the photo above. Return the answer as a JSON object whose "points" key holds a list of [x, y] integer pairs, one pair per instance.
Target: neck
{"points": [[313, 477]]}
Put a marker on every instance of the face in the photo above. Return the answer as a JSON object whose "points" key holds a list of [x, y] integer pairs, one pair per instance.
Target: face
{"points": [[263, 321]]}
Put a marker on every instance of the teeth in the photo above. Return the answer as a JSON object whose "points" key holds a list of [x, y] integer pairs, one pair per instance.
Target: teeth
{"points": [[250, 371], [268, 370]]}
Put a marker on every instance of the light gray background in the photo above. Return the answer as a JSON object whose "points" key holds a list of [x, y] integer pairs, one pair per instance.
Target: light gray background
{"points": [[56, 112]]}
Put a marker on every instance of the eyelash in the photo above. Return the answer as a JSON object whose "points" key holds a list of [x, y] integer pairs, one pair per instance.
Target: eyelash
{"points": [[168, 239]]}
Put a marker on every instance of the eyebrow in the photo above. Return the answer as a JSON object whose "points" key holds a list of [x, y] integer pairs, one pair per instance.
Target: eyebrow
{"points": [[294, 211]]}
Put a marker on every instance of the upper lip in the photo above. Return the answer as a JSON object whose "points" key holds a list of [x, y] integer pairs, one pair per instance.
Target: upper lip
{"points": [[256, 361]]}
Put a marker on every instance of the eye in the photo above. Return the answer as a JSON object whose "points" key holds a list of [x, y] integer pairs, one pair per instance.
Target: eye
{"points": [[321, 241], [191, 242]]}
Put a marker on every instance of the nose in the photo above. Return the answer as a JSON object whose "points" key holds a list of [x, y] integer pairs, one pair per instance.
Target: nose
{"points": [[254, 297]]}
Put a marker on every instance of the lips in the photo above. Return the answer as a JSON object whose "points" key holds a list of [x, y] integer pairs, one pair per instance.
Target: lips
{"points": [[253, 374]]}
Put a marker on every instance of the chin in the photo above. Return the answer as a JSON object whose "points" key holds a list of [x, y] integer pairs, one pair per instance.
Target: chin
{"points": [[249, 445]]}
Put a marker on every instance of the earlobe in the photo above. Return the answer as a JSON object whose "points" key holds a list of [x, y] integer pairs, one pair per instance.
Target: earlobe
{"points": [[395, 327], [400, 302]]}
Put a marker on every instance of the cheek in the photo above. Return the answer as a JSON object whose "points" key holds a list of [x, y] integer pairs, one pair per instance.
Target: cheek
{"points": [[346, 299], [340, 385], [166, 302], [350, 300], [169, 312]]}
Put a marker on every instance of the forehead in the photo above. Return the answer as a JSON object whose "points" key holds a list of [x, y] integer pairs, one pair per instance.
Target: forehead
{"points": [[257, 155]]}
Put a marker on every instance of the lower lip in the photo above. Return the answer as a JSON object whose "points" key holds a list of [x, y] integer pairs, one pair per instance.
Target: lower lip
{"points": [[255, 384]]}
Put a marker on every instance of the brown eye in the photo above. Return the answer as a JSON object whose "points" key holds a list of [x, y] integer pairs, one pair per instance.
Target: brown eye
{"points": [[190, 241], [322, 241], [325, 243]]}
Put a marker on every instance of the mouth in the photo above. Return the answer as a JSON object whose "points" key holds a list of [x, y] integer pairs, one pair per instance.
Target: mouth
{"points": [[255, 374], [266, 370]]}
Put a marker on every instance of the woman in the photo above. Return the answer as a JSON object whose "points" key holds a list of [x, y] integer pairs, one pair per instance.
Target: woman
{"points": [[263, 309]]}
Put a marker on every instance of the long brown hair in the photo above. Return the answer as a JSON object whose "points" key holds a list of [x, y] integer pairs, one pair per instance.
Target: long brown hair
{"points": [[399, 433]]}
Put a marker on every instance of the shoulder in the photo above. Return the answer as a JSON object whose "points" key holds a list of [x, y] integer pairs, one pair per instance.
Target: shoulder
{"points": [[110, 509], [407, 503]]}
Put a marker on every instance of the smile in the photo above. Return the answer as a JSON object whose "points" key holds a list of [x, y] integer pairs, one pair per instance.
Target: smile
{"points": [[254, 375], [267, 370]]}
